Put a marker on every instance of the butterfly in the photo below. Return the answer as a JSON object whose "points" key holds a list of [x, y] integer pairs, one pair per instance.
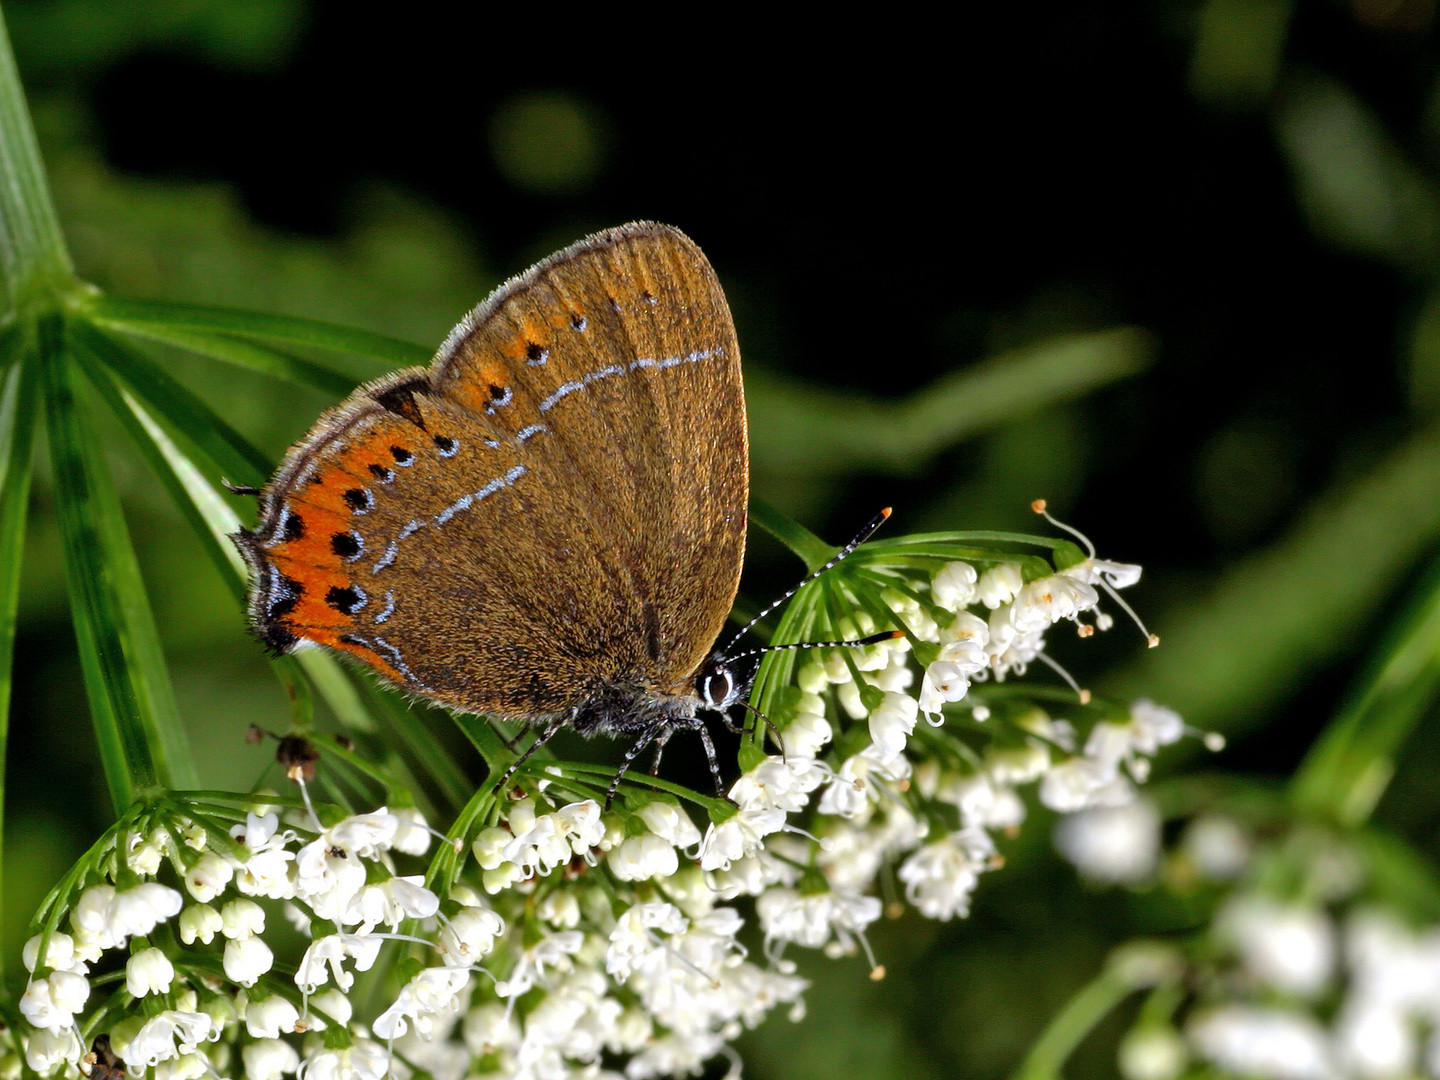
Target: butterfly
{"points": [[547, 524]]}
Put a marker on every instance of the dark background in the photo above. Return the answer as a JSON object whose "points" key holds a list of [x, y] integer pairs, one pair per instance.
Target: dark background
{"points": [[887, 202]]}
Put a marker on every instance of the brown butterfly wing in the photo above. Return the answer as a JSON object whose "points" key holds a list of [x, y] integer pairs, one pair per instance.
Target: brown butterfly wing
{"points": [[559, 500]]}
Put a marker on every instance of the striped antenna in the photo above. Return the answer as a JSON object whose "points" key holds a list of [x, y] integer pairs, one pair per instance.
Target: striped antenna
{"points": [[860, 537], [873, 639]]}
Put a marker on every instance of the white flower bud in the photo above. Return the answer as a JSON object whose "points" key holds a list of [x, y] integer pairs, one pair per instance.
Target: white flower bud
{"points": [[60, 956], [999, 584], [246, 959], [560, 908], [149, 972], [811, 677], [470, 935], [269, 1059], [200, 922], [270, 1018], [411, 837], [242, 918], [1119, 844], [807, 734], [500, 878], [892, 723], [333, 1003], [668, 821], [145, 856], [489, 845], [642, 857], [208, 877], [954, 585], [46, 1050]]}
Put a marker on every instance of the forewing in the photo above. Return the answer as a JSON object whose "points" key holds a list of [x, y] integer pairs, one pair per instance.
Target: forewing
{"points": [[559, 500], [626, 377]]}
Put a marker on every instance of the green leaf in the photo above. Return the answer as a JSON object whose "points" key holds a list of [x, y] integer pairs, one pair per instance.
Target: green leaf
{"points": [[777, 669], [486, 740], [33, 259], [247, 354], [205, 510], [434, 761], [1346, 771], [797, 428], [18, 409], [154, 315], [813, 551], [1276, 616], [133, 708], [231, 452], [334, 684]]}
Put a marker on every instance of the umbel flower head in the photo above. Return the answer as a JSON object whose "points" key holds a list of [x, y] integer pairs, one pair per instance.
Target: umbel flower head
{"points": [[549, 934]]}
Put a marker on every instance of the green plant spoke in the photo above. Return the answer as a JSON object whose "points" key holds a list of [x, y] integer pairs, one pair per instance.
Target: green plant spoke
{"points": [[87, 508], [432, 758], [207, 513], [222, 444], [800, 428], [1346, 771], [809, 547], [1136, 966], [18, 408], [253, 324], [32, 249], [98, 546], [247, 354]]}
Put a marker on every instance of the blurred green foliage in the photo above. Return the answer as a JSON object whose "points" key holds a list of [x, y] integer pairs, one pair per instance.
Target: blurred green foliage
{"points": [[1276, 574]]}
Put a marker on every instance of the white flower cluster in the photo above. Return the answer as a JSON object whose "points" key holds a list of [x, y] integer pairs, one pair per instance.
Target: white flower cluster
{"points": [[580, 936], [973, 647], [1316, 986], [1388, 1020], [342, 879]]}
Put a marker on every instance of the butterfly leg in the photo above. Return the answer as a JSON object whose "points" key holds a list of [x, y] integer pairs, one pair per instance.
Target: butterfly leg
{"points": [[710, 754], [540, 740], [660, 741], [630, 756]]}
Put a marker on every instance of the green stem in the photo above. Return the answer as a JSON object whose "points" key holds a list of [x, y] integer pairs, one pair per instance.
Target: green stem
{"points": [[1350, 765], [33, 259], [18, 408], [814, 551], [1130, 968]]}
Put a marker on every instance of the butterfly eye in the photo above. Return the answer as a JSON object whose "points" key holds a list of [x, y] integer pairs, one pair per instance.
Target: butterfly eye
{"points": [[717, 688]]}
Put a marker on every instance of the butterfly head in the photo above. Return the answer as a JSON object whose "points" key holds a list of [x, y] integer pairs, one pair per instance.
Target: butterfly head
{"points": [[718, 685]]}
